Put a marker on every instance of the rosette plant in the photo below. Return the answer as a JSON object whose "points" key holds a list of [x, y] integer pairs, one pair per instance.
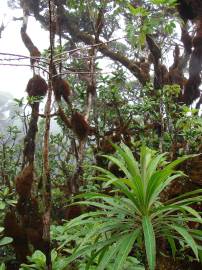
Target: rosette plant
{"points": [[133, 216]]}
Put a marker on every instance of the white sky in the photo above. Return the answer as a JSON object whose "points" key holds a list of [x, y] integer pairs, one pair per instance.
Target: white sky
{"points": [[14, 79]]}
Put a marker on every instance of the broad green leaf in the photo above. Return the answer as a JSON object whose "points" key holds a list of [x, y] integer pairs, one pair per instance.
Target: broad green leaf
{"points": [[38, 257], [5, 241]]}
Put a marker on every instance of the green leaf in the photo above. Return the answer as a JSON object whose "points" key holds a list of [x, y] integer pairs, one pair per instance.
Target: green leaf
{"points": [[2, 205], [2, 266], [5, 241], [119, 163], [38, 258], [150, 242], [176, 162], [129, 158], [152, 167], [187, 237], [109, 254], [138, 11], [171, 241], [125, 248], [158, 183], [200, 255], [85, 250], [53, 255], [192, 212], [134, 178]]}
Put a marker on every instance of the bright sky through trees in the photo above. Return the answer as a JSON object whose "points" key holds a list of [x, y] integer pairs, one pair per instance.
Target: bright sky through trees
{"points": [[14, 79]]}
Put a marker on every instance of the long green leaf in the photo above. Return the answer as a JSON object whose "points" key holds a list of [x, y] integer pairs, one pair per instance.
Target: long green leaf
{"points": [[187, 237], [104, 228], [145, 158], [185, 196], [171, 241], [110, 253], [132, 165], [125, 248], [176, 162], [164, 182], [152, 167], [123, 187], [150, 242], [119, 163], [89, 248], [192, 212], [130, 168], [130, 160]]}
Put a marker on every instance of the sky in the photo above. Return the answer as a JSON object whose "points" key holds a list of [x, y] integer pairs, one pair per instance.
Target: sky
{"points": [[14, 79]]}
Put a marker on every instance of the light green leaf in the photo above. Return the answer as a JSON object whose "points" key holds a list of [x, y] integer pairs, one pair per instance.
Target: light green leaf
{"points": [[2, 266], [150, 242]]}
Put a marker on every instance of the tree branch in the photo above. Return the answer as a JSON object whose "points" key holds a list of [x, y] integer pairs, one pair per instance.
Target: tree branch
{"points": [[69, 26]]}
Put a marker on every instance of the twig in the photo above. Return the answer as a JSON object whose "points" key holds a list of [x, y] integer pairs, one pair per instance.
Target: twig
{"points": [[21, 55], [90, 46], [24, 65]]}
